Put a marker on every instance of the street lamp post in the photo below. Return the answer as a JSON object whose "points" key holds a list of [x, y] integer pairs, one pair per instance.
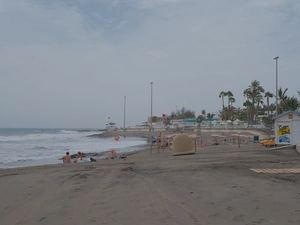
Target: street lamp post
{"points": [[151, 119], [124, 110], [276, 58], [151, 105]]}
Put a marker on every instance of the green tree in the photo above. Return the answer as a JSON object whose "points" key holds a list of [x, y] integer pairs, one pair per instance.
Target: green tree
{"points": [[239, 113], [252, 93], [268, 95], [210, 115], [222, 95], [229, 95], [231, 100], [248, 106], [291, 103], [259, 101], [167, 121], [184, 113], [282, 96], [200, 118], [173, 116]]}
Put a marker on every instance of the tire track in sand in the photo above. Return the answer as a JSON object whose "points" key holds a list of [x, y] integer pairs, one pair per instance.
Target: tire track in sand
{"points": [[17, 216], [168, 201]]}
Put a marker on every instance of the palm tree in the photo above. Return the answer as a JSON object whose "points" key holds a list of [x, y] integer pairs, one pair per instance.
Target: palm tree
{"points": [[251, 93], [272, 107], [248, 105], [200, 118], [291, 103], [236, 112], [229, 95], [210, 115], [221, 95], [259, 100], [281, 98], [231, 100], [268, 95]]}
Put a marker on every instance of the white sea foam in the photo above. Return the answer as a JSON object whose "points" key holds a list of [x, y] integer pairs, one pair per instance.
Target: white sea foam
{"points": [[63, 134], [32, 145]]}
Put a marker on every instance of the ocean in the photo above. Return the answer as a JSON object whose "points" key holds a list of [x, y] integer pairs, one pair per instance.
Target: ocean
{"points": [[31, 147]]}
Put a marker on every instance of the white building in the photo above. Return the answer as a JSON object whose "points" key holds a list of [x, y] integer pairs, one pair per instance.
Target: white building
{"points": [[110, 126], [287, 127]]}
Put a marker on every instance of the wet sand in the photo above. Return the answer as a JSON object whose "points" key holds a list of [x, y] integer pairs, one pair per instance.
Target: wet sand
{"points": [[214, 186]]}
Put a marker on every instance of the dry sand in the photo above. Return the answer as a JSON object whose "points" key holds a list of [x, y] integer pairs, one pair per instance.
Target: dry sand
{"points": [[214, 186]]}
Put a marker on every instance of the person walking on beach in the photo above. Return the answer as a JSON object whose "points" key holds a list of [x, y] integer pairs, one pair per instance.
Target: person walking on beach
{"points": [[67, 158]]}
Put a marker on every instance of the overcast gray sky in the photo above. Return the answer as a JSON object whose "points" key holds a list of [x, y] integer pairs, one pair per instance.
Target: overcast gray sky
{"points": [[69, 63]]}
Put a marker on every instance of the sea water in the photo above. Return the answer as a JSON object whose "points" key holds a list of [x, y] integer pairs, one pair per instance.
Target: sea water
{"points": [[29, 147]]}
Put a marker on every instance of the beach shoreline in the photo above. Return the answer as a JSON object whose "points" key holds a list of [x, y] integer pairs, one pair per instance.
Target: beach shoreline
{"points": [[214, 186], [204, 137]]}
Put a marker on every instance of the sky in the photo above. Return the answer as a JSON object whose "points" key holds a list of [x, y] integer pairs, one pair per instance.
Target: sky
{"points": [[69, 63]]}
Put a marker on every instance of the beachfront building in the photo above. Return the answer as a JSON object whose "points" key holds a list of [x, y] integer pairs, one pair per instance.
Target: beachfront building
{"points": [[110, 126], [167, 123], [188, 124], [287, 127]]}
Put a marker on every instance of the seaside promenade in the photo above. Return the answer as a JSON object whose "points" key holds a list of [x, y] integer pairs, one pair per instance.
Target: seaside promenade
{"points": [[220, 184]]}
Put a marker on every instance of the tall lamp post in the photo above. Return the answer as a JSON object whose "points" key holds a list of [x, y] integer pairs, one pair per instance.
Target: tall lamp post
{"points": [[124, 110], [276, 58], [151, 105], [151, 119]]}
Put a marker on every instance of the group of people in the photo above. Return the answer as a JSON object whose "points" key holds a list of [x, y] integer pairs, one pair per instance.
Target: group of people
{"points": [[67, 158], [161, 144], [112, 155]]}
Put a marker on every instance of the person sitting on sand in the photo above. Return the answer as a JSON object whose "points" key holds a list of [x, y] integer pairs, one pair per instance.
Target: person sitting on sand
{"points": [[164, 144], [67, 158], [79, 156], [112, 155], [153, 139]]}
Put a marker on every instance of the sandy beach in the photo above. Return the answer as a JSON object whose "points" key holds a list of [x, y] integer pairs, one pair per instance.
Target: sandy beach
{"points": [[214, 186]]}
